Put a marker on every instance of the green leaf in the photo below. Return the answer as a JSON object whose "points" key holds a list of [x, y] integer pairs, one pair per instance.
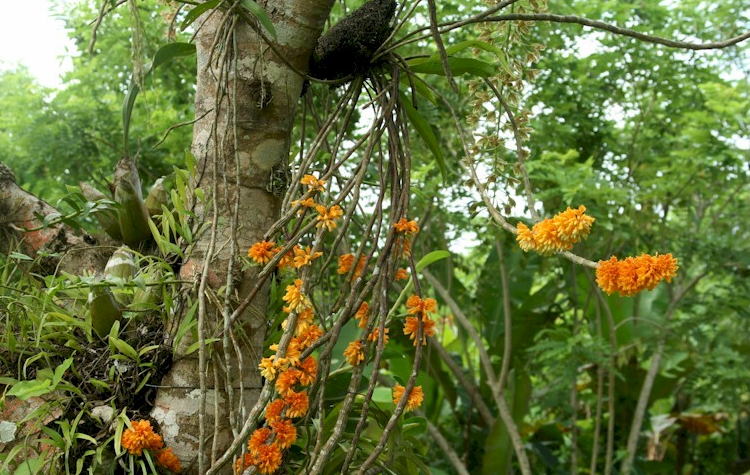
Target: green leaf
{"points": [[433, 256], [166, 53], [459, 66], [194, 347], [425, 131], [196, 12], [258, 12], [124, 348], [60, 371], [26, 389]]}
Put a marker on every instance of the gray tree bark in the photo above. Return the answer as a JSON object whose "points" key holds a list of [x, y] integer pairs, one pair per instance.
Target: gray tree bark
{"points": [[246, 103]]}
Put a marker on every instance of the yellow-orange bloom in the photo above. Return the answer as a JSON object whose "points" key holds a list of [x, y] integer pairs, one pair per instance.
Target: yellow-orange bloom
{"points": [[285, 432], [293, 352], [298, 404], [244, 463], [140, 436], [308, 370], [634, 274], [273, 410], [327, 216], [303, 257], [309, 336], [268, 368], [363, 314], [345, 264], [376, 334], [313, 182], [411, 326], [258, 439], [295, 298], [287, 260], [403, 247], [406, 227], [416, 305], [555, 234], [169, 460], [415, 397], [268, 458], [401, 274], [308, 203], [353, 353], [262, 252], [286, 381]]}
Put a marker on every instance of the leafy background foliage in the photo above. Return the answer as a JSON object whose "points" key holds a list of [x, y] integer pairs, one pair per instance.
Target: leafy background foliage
{"points": [[654, 141]]}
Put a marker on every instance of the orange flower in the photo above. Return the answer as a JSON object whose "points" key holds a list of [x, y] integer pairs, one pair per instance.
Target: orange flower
{"points": [[286, 381], [406, 227], [634, 274], [262, 252], [363, 314], [415, 305], [287, 260], [298, 404], [572, 225], [268, 368], [345, 263], [303, 257], [327, 217], [412, 325], [353, 353], [308, 203], [376, 334], [268, 458], [285, 432], [313, 182], [273, 410], [401, 274], [244, 463], [258, 439], [304, 320], [308, 371], [415, 397], [309, 336], [556, 234], [141, 436], [295, 298], [293, 352], [169, 460]]}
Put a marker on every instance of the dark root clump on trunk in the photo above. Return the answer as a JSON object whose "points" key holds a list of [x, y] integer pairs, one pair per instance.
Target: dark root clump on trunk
{"points": [[347, 48]]}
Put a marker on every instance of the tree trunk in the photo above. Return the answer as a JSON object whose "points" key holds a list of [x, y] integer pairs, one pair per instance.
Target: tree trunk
{"points": [[246, 99]]}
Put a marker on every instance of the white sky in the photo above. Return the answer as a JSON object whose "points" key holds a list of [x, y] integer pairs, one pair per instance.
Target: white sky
{"points": [[31, 36]]}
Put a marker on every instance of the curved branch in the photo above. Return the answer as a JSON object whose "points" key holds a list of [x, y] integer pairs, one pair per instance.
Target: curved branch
{"points": [[600, 25]]}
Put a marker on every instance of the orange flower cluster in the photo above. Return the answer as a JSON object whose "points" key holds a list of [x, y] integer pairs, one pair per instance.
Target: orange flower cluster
{"points": [[376, 334], [263, 251], [556, 234], [401, 274], [327, 216], [631, 275], [141, 436], [363, 314], [416, 306], [415, 397], [313, 183], [345, 264], [167, 459], [353, 353], [406, 227]]}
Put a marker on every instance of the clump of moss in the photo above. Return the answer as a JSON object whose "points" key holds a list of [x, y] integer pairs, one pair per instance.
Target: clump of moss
{"points": [[347, 48]]}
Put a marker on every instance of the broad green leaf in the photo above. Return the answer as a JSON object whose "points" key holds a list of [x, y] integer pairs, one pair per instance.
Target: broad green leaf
{"points": [[193, 14], [428, 259], [425, 131], [166, 53], [258, 12], [26, 389]]}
